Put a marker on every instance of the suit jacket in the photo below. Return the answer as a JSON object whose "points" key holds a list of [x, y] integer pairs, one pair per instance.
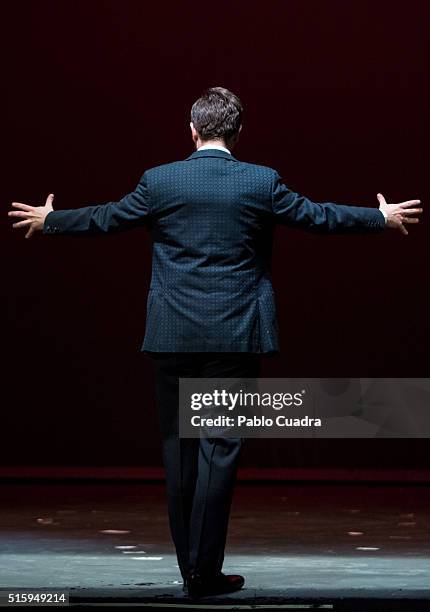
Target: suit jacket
{"points": [[212, 219]]}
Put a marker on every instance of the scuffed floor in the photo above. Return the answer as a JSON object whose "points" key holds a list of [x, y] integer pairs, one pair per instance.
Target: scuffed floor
{"points": [[291, 541]]}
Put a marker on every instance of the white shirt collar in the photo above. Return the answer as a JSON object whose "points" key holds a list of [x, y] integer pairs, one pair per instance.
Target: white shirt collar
{"points": [[211, 146]]}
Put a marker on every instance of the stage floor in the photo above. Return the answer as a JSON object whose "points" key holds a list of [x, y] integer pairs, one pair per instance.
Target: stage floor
{"points": [[309, 543]]}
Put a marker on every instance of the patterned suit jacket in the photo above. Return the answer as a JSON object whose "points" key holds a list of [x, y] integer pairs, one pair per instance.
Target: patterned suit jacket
{"points": [[212, 219]]}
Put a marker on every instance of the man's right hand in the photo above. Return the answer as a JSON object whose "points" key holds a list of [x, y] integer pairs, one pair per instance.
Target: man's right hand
{"points": [[399, 214]]}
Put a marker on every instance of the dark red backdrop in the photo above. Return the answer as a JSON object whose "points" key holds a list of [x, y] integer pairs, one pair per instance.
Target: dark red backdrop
{"points": [[336, 97]]}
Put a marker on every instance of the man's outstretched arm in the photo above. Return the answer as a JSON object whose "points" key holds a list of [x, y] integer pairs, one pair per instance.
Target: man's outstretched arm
{"points": [[131, 211], [292, 209]]}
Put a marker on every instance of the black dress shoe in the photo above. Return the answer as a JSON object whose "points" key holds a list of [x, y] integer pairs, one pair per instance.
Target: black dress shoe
{"points": [[197, 586]]}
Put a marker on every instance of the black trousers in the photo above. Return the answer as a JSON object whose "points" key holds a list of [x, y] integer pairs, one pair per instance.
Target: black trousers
{"points": [[200, 473]]}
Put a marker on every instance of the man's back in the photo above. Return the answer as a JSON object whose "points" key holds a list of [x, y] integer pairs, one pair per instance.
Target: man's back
{"points": [[212, 227]]}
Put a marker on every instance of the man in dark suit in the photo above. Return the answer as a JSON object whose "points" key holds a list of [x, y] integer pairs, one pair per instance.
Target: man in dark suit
{"points": [[211, 308]]}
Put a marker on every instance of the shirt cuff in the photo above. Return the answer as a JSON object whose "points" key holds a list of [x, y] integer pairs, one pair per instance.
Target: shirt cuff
{"points": [[384, 213]]}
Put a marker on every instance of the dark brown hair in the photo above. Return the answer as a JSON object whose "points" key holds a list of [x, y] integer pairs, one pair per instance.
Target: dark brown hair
{"points": [[217, 114]]}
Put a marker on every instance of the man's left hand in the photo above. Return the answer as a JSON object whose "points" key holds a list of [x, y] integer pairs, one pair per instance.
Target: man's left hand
{"points": [[32, 217]]}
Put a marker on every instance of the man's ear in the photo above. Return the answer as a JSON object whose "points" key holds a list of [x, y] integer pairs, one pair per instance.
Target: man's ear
{"points": [[194, 134], [236, 137]]}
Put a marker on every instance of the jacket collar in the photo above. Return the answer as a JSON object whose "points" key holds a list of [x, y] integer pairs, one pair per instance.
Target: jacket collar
{"points": [[211, 153]]}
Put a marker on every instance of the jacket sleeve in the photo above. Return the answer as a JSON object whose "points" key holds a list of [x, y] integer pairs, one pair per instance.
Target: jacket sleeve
{"points": [[290, 208], [129, 212]]}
